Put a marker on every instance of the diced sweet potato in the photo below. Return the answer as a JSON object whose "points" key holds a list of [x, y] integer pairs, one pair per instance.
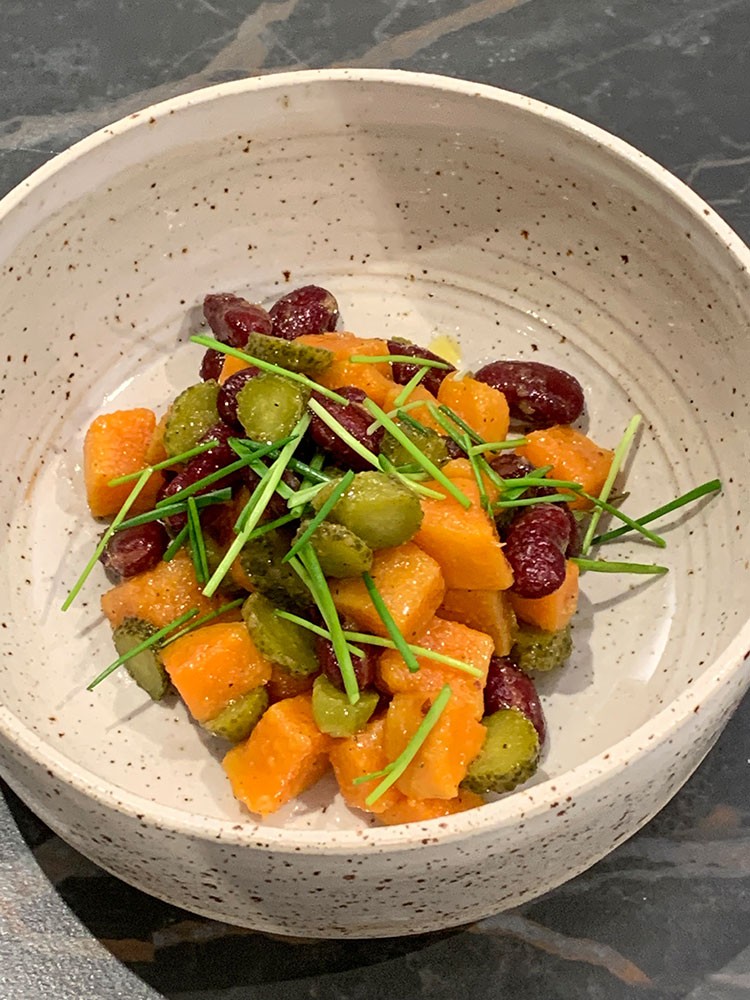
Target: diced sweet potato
{"points": [[464, 543], [420, 413], [214, 665], [117, 444], [374, 379], [360, 754], [488, 611], [410, 583], [284, 755], [230, 366], [553, 612], [483, 408], [572, 455], [159, 595], [441, 762], [406, 810], [460, 468], [450, 639]]}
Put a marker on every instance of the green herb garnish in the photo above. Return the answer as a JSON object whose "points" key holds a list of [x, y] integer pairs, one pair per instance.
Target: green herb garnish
{"points": [[405, 358], [175, 460], [618, 458], [197, 542], [629, 522], [712, 486], [146, 644], [410, 386], [315, 629], [204, 620], [176, 544], [478, 449], [406, 478], [604, 566], [159, 513], [391, 627], [530, 501], [118, 519], [341, 432]]}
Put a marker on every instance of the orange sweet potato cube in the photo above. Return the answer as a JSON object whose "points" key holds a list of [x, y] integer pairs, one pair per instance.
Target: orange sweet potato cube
{"points": [[488, 611], [117, 444]]}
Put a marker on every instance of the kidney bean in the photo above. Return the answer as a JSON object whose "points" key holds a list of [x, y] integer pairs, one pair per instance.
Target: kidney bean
{"points": [[134, 550], [355, 419], [508, 465], [233, 318], [364, 666], [509, 687], [211, 365], [535, 548], [309, 309], [402, 371], [537, 394]]}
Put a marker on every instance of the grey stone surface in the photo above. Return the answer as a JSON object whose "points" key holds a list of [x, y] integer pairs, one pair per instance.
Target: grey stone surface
{"points": [[668, 914]]}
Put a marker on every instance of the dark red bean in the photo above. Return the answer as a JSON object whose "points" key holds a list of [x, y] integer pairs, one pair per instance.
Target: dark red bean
{"points": [[355, 419], [310, 309], [537, 394], [454, 450], [509, 687], [364, 666], [211, 365], [134, 550], [202, 465], [508, 465], [233, 318], [535, 547], [402, 371], [226, 402]]}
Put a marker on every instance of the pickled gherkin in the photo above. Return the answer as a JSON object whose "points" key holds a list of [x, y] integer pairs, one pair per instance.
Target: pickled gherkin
{"points": [[535, 649], [192, 414], [146, 668], [269, 407], [260, 560], [280, 640], [240, 717], [289, 354], [340, 552], [429, 443], [377, 508], [509, 756], [334, 714]]}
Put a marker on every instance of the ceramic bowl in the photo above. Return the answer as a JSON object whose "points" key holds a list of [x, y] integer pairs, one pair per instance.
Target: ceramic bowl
{"points": [[429, 206]]}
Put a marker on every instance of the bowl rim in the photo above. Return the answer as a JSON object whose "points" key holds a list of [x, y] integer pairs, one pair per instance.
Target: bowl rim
{"points": [[522, 803]]}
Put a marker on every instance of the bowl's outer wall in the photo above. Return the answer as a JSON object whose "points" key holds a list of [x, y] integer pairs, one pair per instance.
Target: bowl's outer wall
{"points": [[512, 215]]}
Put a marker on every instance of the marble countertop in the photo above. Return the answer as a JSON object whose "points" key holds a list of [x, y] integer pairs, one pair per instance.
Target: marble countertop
{"points": [[668, 914]]}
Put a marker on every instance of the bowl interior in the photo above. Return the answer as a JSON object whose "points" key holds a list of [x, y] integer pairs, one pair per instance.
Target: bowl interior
{"points": [[426, 211]]}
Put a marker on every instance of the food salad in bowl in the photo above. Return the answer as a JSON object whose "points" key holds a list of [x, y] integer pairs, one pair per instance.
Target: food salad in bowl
{"points": [[381, 439]]}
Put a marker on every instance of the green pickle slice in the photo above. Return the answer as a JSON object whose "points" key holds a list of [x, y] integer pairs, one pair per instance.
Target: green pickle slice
{"points": [[146, 668], [240, 717], [535, 649], [269, 406], [289, 354], [429, 443], [190, 416], [261, 558], [333, 712], [280, 640], [509, 756], [377, 508], [340, 552]]}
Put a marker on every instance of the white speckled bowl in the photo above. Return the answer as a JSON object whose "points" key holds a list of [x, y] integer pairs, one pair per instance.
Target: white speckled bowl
{"points": [[427, 205]]}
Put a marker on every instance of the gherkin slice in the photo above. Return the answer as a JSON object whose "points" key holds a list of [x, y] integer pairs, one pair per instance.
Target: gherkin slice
{"points": [[429, 443], [535, 649], [340, 552], [289, 354], [377, 508], [240, 717], [269, 407], [333, 712], [261, 558], [280, 640], [192, 414], [146, 668], [509, 756]]}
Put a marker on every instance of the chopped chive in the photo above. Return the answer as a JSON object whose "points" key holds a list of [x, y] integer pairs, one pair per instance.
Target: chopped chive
{"points": [[175, 460], [262, 494], [146, 644], [477, 449], [176, 543], [449, 429], [497, 481], [263, 529], [476, 470], [327, 506], [200, 559], [400, 764], [159, 513], [618, 458], [341, 432], [391, 627], [604, 566], [303, 496], [407, 418], [199, 484], [309, 471], [476, 438], [712, 486], [421, 459], [528, 481], [529, 501], [405, 358], [204, 619], [396, 413], [260, 468], [245, 448], [268, 366], [324, 600], [315, 629], [629, 522], [387, 466], [118, 519], [410, 386]]}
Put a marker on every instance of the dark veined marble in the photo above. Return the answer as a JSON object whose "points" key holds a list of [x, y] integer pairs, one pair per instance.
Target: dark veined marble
{"points": [[668, 914]]}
